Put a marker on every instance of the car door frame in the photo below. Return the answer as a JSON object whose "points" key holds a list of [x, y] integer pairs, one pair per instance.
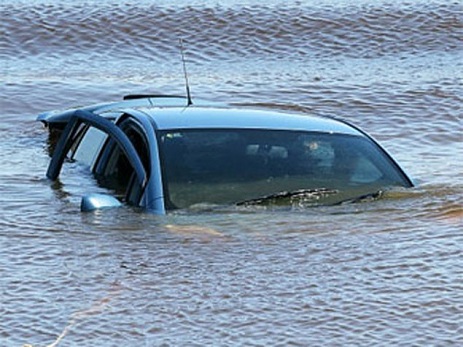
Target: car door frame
{"points": [[67, 139], [153, 196]]}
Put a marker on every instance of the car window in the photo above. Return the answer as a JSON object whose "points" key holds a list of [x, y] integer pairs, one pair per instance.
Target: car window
{"points": [[227, 166], [115, 171], [81, 142], [82, 154], [89, 146]]}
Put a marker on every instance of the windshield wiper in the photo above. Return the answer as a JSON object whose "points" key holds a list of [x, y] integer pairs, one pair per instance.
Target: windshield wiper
{"points": [[285, 197], [363, 198]]}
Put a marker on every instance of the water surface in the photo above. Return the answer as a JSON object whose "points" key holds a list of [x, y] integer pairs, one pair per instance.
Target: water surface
{"points": [[386, 272]]}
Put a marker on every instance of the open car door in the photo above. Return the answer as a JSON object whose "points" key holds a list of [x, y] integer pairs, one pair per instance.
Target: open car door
{"points": [[67, 139]]}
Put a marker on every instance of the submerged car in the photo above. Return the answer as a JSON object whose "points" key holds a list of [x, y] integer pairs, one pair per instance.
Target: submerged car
{"points": [[161, 153]]}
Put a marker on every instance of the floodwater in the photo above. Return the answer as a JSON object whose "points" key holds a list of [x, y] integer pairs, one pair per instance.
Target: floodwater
{"points": [[379, 273]]}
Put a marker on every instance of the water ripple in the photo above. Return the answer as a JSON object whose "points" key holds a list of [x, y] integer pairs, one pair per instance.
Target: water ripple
{"points": [[355, 274], [215, 32]]}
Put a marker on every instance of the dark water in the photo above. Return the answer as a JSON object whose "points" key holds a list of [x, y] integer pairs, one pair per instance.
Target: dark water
{"points": [[379, 273]]}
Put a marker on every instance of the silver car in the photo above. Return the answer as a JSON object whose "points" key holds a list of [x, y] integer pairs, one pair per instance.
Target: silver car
{"points": [[162, 154]]}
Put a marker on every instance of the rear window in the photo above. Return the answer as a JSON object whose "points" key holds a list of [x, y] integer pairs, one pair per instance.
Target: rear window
{"points": [[231, 166]]}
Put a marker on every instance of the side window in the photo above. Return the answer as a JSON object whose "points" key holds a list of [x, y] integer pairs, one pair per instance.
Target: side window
{"points": [[85, 147], [89, 146], [117, 171]]}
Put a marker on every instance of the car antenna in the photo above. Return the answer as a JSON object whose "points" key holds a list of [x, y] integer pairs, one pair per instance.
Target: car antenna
{"points": [[188, 94]]}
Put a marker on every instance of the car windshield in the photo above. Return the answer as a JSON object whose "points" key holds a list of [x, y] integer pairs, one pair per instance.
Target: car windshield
{"points": [[246, 166]]}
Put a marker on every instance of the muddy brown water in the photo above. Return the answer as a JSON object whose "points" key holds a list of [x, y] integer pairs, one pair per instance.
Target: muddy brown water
{"points": [[387, 272]]}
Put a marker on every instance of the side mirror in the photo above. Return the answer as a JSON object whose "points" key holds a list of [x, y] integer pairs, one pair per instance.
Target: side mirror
{"points": [[93, 202]]}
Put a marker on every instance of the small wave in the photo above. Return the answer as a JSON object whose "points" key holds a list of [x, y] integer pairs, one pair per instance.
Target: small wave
{"points": [[217, 32]]}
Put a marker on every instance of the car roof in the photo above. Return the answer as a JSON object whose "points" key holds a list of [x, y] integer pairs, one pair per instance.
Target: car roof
{"points": [[170, 112], [215, 118], [113, 109]]}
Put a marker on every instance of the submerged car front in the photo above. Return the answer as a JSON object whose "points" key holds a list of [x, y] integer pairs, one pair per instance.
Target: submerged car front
{"points": [[248, 157]]}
